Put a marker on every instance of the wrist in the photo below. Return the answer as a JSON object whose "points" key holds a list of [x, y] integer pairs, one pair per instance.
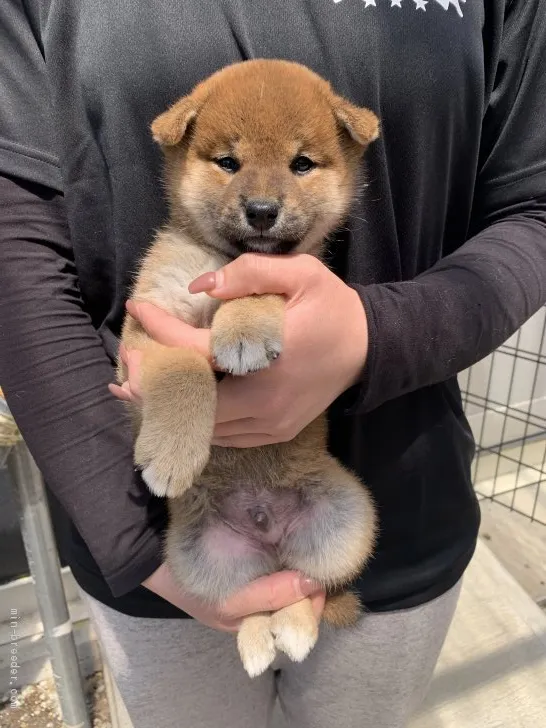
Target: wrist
{"points": [[356, 339], [161, 583], [151, 581]]}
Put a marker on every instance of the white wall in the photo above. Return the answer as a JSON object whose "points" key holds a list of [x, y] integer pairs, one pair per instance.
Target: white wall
{"points": [[519, 382]]}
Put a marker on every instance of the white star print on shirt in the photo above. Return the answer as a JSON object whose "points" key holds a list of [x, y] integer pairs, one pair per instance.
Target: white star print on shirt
{"points": [[419, 4], [456, 4]]}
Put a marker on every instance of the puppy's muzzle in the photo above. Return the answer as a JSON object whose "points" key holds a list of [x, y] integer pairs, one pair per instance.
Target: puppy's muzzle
{"points": [[261, 215], [261, 229]]}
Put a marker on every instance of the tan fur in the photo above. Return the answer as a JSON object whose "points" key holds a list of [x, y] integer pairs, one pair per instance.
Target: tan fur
{"points": [[295, 629], [256, 643], [264, 114], [342, 610], [175, 381], [255, 323]]}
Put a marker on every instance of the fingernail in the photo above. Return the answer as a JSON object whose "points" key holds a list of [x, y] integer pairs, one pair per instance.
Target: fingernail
{"points": [[220, 276], [133, 359], [205, 282], [132, 308], [308, 586], [117, 391]]}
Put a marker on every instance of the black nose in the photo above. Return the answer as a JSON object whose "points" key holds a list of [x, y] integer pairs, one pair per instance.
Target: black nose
{"points": [[261, 214]]}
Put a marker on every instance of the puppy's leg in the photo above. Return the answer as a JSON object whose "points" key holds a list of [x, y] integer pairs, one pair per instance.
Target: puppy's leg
{"points": [[295, 629], [256, 644], [247, 333], [177, 418], [336, 528]]}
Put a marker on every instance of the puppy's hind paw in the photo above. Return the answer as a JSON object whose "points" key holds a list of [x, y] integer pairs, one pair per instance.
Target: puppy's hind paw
{"points": [[256, 644], [295, 630], [294, 641]]}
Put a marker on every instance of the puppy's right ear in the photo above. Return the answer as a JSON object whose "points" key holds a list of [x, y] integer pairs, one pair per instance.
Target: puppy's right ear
{"points": [[169, 128]]}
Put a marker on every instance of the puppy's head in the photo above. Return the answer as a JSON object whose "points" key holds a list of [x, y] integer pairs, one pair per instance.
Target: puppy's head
{"points": [[263, 157]]}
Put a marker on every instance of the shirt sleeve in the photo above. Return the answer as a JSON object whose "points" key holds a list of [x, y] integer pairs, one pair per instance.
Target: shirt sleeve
{"points": [[429, 329], [53, 367], [55, 373]]}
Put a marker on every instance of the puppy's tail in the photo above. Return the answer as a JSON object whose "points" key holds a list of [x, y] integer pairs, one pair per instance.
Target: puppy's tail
{"points": [[342, 609]]}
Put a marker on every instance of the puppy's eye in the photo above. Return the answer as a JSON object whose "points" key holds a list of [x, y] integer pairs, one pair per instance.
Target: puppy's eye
{"points": [[302, 165], [229, 164]]}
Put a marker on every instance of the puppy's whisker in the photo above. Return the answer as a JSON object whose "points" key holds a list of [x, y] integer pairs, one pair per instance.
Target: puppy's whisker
{"points": [[356, 217]]}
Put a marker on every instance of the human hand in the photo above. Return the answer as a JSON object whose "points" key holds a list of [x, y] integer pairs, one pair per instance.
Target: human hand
{"points": [[266, 594], [324, 349]]}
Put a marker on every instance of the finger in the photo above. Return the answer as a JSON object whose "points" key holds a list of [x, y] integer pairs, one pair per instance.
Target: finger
{"points": [[123, 353], [167, 329], [233, 625], [317, 602], [251, 274], [269, 593], [233, 403], [229, 626], [257, 439], [244, 426], [237, 396], [134, 361], [121, 392]]}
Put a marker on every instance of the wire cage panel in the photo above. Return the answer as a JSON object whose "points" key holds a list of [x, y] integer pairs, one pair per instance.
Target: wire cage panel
{"points": [[505, 402]]}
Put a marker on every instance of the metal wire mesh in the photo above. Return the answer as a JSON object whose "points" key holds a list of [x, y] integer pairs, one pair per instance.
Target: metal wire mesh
{"points": [[505, 401]]}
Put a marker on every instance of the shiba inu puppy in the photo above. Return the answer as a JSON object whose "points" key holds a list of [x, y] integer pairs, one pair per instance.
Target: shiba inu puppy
{"points": [[261, 157]]}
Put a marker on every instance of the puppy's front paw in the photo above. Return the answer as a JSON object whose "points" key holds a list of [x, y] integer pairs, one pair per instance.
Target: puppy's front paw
{"points": [[242, 352], [170, 464], [246, 333], [256, 644], [295, 630]]}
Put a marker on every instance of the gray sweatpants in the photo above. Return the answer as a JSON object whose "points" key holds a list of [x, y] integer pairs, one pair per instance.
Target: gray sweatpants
{"points": [[180, 674]]}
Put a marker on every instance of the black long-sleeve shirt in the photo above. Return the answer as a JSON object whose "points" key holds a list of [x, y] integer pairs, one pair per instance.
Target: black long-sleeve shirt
{"points": [[447, 246]]}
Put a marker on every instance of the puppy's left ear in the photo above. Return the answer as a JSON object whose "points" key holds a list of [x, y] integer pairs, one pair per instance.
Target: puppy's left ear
{"points": [[361, 124]]}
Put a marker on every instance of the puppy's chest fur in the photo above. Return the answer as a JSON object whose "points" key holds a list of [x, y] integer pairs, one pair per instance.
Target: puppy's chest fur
{"points": [[168, 268]]}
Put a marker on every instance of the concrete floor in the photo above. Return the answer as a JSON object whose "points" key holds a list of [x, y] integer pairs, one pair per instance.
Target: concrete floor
{"points": [[520, 546], [492, 672]]}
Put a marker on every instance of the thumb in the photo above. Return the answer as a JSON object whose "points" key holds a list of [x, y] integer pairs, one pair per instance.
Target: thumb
{"points": [[255, 274], [269, 594], [167, 329]]}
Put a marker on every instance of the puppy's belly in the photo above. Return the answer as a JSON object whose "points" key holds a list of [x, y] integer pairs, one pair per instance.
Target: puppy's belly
{"points": [[240, 535], [309, 529], [260, 520], [250, 531]]}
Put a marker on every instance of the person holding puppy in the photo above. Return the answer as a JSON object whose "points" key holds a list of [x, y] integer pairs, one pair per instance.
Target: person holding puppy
{"points": [[442, 257]]}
